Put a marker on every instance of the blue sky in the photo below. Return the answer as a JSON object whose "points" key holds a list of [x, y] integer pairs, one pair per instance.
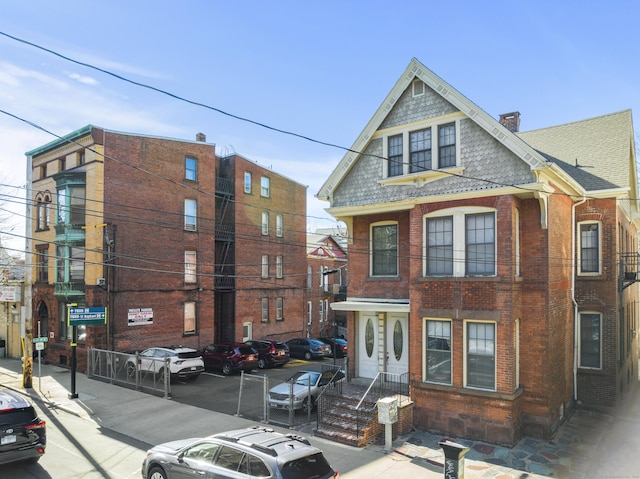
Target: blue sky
{"points": [[317, 69]]}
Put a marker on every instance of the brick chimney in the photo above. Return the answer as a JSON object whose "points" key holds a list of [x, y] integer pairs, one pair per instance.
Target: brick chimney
{"points": [[201, 137], [511, 121]]}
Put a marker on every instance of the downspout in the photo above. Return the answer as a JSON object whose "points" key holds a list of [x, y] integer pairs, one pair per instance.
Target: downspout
{"points": [[573, 297]]}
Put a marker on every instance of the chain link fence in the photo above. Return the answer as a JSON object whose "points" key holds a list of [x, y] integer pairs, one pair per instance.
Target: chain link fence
{"points": [[129, 370]]}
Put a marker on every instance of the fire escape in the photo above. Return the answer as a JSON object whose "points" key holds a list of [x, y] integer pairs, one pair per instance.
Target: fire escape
{"points": [[225, 235]]}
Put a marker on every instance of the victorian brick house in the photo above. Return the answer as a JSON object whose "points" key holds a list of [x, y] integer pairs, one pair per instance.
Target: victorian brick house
{"points": [[165, 235], [496, 267]]}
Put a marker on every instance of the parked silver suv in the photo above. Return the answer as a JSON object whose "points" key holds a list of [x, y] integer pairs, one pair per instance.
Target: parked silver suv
{"points": [[244, 453]]}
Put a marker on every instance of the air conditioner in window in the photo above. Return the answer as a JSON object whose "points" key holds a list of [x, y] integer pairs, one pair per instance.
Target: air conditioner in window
{"points": [[100, 282]]}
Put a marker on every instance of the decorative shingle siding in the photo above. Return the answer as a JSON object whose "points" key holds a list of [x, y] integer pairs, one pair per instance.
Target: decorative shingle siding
{"points": [[409, 108]]}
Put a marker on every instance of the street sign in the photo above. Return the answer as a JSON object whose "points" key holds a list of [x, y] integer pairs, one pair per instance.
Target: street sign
{"points": [[41, 339], [87, 316], [40, 346]]}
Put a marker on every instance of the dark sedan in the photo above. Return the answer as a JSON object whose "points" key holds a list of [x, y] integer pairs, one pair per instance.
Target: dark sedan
{"points": [[338, 345], [270, 353], [307, 348]]}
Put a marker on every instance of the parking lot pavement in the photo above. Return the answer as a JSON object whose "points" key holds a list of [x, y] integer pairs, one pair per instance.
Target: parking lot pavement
{"points": [[589, 445]]}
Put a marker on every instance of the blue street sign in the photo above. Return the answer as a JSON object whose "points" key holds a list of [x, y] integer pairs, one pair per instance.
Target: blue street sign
{"points": [[87, 316]]}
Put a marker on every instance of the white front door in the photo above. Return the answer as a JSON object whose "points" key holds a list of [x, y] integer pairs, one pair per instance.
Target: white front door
{"points": [[368, 347], [397, 343]]}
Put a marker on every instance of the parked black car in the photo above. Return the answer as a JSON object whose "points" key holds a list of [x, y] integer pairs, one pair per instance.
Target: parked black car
{"points": [[230, 357], [23, 435], [338, 345], [270, 353], [308, 348]]}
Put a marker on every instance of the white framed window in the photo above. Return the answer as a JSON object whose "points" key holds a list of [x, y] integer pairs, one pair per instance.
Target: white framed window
{"points": [[480, 355], [516, 241], [309, 276], [590, 341], [384, 249], [309, 313], [189, 317], [265, 266], [589, 251], [190, 214], [431, 147], [190, 169], [325, 279], [279, 309], [265, 309], [247, 331], [247, 182], [278, 266], [437, 356], [460, 242], [321, 278], [265, 187], [265, 223], [418, 87], [321, 311], [326, 310], [190, 264], [279, 228]]}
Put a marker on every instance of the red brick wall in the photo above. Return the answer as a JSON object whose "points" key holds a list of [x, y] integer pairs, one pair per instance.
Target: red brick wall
{"points": [[145, 190]]}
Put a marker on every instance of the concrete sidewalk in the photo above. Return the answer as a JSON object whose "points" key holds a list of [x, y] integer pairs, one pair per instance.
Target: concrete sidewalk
{"points": [[588, 446]]}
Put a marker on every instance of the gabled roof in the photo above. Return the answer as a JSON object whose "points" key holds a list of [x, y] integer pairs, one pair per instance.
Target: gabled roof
{"points": [[417, 70], [598, 152], [325, 246]]}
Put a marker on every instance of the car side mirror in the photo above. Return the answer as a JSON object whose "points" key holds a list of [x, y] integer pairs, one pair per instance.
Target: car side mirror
{"points": [[181, 458]]}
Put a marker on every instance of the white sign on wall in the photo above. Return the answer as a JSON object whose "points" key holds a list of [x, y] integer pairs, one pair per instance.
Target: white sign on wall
{"points": [[10, 294], [140, 316]]}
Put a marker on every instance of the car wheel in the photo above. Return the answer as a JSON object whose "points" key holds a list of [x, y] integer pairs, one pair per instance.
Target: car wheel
{"points": [[305, 404], [307, 355], [262, 364], [156, 473], [227, 369], [161, 374]]}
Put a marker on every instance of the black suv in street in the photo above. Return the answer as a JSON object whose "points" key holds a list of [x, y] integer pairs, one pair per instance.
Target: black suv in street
{"points": [[270, 353], [22, 432]]}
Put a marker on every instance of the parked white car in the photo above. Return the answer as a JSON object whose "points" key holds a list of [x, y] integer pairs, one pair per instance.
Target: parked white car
{"points": [[184, 363], [304, 385]]}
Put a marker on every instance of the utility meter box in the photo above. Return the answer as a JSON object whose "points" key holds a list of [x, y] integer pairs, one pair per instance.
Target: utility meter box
{"points": [[387, 410]]}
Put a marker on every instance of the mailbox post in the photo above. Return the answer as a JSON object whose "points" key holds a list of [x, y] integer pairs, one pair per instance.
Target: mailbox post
{"points": [[453, 459], [388, 415]]}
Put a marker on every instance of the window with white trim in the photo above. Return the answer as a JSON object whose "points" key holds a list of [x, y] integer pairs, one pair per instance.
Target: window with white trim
{"points": [[279, 228], [265, 266], [265, 223], [309, 312], [438, 351], [190, 258], [321, 311], [480, 355], [190, 169], [190, 214], [247, 182], [589, 250], [278, 266], [265, 187], [430, 148], [189, 317], [590, 342], [460, 243], [279, 309], [265, 309], [309, 276], [384, 249]]}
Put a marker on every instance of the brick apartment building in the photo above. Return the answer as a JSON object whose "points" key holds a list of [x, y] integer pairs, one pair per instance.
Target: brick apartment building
{"points": [[327, 281], [131, 223], [496, 267]]}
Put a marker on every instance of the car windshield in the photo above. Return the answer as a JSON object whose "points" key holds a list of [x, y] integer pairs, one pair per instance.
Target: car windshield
{"points": [[309, 466], [305, 378]]}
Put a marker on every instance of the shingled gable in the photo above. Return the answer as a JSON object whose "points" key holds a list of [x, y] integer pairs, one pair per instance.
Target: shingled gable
{"points": [[417, 70]]}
